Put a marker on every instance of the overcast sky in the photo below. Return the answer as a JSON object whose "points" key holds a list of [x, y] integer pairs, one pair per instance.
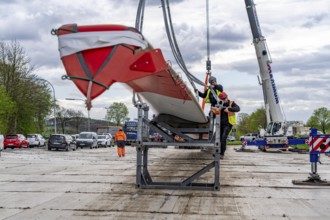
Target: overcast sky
{"points": [[297, 33]]}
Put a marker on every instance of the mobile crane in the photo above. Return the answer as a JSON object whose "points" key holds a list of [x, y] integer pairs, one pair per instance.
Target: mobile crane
{"points": [[279, 132]]}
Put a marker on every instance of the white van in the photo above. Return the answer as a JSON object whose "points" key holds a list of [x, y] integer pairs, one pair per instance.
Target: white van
{"points": [[87, 139]]}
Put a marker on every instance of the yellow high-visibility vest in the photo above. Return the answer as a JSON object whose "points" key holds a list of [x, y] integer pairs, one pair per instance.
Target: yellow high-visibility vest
{"points": [[231, 116], [207, 98]]}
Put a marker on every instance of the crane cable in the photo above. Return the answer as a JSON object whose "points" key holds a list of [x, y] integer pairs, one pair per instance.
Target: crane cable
{"points": [[208, 61], [140, 16], [138, 26], [173, 43], [170, 34], [176, 51], [174, 46]]}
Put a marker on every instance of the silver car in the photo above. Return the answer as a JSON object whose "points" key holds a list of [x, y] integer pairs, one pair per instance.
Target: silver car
{"points": [[35, 140], [103, 140]]}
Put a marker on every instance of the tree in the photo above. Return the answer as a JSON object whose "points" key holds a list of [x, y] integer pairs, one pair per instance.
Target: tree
{"points": [[320, 119], [62, 116], [250, 123], [117, 113], [31, 99], [77, 117], [42, 102], [256, 119], [7, 107], [242, 125]]}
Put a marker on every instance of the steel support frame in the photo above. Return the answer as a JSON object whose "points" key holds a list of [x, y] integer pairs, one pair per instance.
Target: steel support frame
{"points": [[143, 177]]}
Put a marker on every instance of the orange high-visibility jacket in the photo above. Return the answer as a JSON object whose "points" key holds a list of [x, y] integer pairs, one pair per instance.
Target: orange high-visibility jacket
{"points": [[120, 136]]}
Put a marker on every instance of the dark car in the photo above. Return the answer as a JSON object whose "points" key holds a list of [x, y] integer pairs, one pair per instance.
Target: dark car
{"points": [[61, 141], [15, 140], [87, 139]]}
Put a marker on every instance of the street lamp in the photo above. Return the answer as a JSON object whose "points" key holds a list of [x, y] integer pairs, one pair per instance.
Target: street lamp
{"points": [[54, 105], [54, 99], [89, 122]]}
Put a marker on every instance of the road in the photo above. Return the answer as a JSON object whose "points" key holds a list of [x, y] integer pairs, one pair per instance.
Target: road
{"points": [[96, 184]]}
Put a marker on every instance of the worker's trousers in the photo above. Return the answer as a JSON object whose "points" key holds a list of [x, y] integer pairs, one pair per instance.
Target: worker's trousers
{"points": [[121, 151], [121, 148], [224, 132]]}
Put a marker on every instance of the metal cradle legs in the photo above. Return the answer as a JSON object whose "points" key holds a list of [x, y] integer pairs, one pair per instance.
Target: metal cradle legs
{"points": [[144, 180]]}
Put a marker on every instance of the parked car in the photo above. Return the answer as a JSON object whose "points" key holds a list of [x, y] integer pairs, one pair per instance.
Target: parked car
{"points": [[112, 140], [15, 140], [230, 138], [74, 137], [249, 137], [87, 139], [1, 142], [105, 140], [61, 141], [35, 140]]}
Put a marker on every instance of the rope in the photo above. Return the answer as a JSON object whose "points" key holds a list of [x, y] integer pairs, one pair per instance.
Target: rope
{"points": [[88, 100], [85, 79]]}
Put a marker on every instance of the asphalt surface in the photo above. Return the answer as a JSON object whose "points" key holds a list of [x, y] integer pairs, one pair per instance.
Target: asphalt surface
{"points": [[96, 184]]}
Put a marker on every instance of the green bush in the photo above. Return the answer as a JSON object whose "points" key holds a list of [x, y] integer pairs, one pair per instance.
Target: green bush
{"points": [[234, 143], [301, 146]]}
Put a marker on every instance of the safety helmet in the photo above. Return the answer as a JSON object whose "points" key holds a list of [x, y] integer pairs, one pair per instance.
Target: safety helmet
{"points": [[212, 79], [223, 95]]}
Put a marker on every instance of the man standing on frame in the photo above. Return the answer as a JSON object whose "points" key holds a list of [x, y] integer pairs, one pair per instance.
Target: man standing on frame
{"points": [[228, 119]]}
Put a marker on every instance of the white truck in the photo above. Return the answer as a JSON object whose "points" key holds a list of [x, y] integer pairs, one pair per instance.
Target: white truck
{"points": [[279, 131], [248, 137]]}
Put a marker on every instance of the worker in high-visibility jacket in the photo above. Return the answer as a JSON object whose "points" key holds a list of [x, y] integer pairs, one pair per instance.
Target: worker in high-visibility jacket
{"points": [[120, 139], [228, 119], [209, 98]]}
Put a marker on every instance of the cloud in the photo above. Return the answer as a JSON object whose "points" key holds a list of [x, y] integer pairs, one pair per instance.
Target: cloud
{"points": [[314, 20], [158, 3]]}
